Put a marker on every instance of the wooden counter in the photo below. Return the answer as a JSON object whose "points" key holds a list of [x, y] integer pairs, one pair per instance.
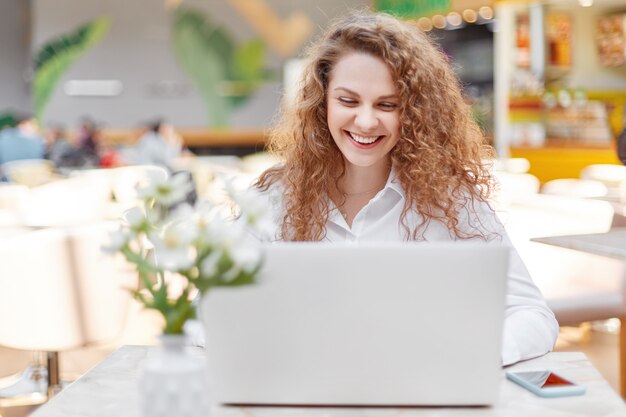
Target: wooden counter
{"points": [[196, 138], [565, 158]]}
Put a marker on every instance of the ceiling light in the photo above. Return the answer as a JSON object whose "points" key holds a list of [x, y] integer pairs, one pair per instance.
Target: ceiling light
{"points": [[454, 19], [425, 24], [94, 88], [486, 12], [439, 21], [470, 15]]}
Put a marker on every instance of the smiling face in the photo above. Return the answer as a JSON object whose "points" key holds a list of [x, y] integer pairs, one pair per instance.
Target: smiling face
{"points": [[363, 110]]}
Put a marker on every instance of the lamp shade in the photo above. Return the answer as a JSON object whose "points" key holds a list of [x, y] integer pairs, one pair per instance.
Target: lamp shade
{"points": [[59, 291]]}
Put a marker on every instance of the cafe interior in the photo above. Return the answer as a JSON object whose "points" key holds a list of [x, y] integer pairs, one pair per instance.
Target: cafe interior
{"points": [[98, 82]]}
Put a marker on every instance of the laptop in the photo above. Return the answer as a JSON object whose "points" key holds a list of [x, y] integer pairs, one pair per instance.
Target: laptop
{"points": [[411, 324]]}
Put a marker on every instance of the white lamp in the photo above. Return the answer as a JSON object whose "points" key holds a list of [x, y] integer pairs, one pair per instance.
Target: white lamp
{"points": [[61, 291]]}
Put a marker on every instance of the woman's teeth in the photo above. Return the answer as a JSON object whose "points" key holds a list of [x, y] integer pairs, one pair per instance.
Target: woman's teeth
{"points": [[364, 139]]}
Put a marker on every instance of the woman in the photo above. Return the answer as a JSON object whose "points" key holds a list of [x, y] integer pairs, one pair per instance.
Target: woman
{"points": [[379, 145]]}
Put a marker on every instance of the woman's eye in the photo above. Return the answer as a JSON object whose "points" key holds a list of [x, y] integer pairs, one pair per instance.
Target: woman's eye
{"points": [[388, 106], [348, 101]]}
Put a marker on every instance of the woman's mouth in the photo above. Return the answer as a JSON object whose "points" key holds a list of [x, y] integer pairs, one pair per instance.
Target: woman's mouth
{"points": [[364, 140]]}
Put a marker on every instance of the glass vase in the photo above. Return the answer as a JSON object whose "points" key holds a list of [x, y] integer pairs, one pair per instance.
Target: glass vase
{"points": [[174, 381]]}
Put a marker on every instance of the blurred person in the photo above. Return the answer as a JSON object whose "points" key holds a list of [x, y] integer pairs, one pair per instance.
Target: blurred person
{"points": [[111, 158], [379, 145], [59, 149], [159, 145], [88, 141], [24, 141]]}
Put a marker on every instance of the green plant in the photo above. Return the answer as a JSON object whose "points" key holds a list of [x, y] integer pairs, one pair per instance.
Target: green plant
{"points": [[226, 74], [202, 245], [57, 55]]}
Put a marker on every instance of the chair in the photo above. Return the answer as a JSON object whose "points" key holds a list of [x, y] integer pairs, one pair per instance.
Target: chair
{"points": [[574, 187], [11, 197], [120, 183], [60, 291], [126, 179], [613, 176], [514, 187], [29, 172], [64, 202], [254, 164], [512, 165], [204, 169]]}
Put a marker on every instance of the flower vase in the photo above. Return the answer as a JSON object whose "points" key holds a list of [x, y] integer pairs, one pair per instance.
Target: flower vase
{"points": [[174, 381]]}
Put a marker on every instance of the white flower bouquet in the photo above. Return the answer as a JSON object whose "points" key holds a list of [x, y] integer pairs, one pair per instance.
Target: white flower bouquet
{"points": [[206, 244]]}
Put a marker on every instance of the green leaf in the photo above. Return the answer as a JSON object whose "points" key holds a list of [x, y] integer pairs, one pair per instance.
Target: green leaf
{"points": [[226, 75], [249, 60], [160, 297], [248, 71], [56, 56], [204, 51], [219, 40], [139, 296], [176, 317], [244, 278], [7, 120]]}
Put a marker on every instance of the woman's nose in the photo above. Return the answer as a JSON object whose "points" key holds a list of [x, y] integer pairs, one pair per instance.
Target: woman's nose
{"points": [[366, 119]]}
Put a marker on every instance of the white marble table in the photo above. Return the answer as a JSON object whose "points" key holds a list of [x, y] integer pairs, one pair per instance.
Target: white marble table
{"points": [[110, 389], [611, 243]]}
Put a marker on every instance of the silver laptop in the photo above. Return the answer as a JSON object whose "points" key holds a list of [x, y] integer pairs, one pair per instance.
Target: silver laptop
{"points": [[376, 324]]}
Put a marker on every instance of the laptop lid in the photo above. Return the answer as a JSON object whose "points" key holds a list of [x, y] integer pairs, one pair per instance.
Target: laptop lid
{"points": [[373, 324]]}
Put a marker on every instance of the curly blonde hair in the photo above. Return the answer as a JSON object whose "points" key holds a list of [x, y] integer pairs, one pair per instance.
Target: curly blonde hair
{"points": [[438, 159]]}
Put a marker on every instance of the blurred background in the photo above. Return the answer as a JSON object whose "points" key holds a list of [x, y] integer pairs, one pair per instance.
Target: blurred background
{"points": [[95, 94], [537, 73]]}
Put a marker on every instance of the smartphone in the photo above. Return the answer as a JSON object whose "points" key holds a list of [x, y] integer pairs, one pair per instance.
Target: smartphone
{"points": [[546, 383]]}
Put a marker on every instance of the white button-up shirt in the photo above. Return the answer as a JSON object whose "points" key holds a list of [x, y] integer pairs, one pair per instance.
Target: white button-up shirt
{"points": [[530, 328]]}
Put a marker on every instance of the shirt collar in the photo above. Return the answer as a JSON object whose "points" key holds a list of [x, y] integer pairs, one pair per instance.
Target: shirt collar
{"points": [[393, 183]]}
